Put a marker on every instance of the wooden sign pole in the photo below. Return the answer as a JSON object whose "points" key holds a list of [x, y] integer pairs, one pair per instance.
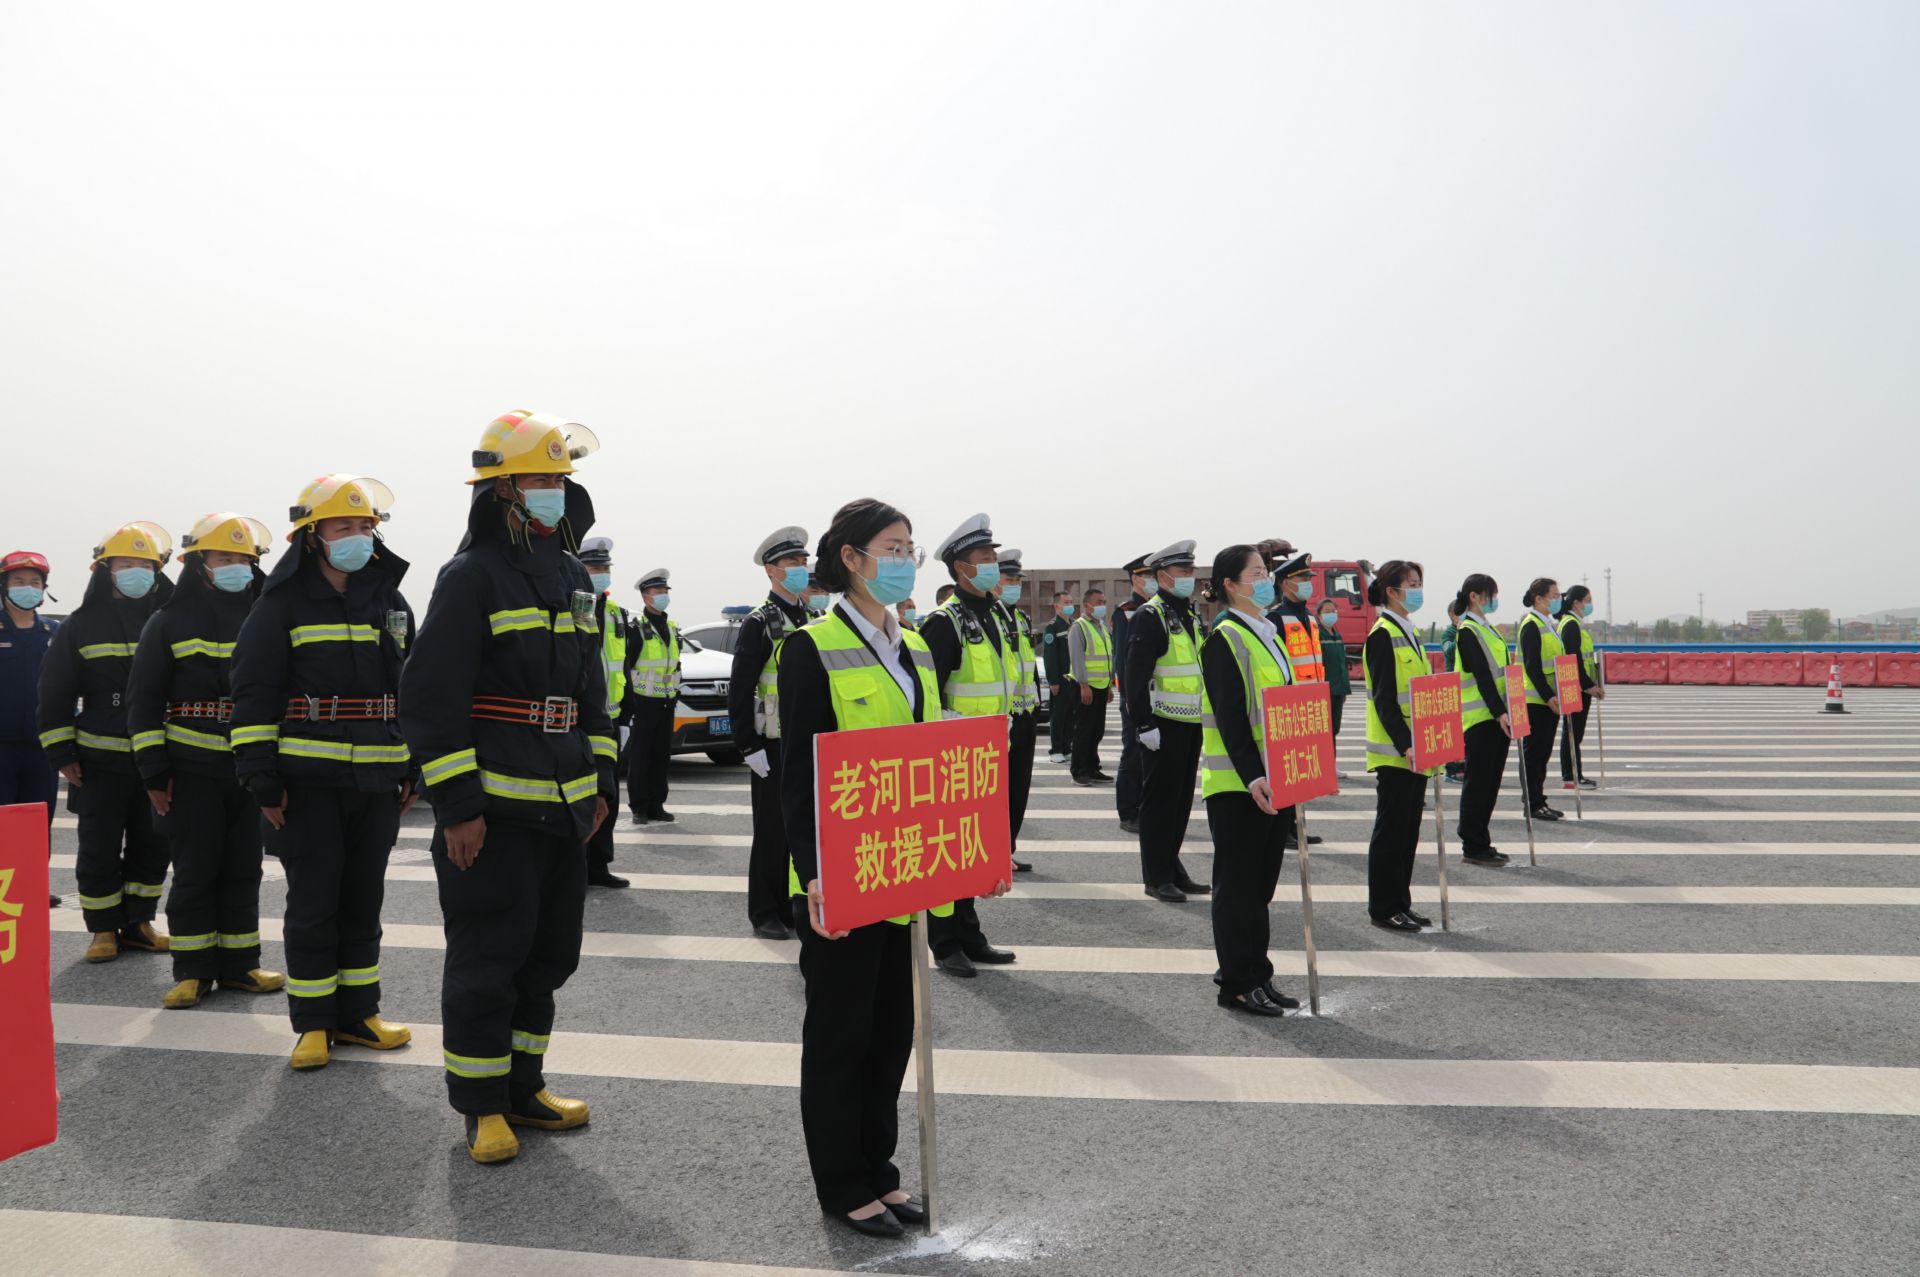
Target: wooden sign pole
{"points": [[923, 1070]]}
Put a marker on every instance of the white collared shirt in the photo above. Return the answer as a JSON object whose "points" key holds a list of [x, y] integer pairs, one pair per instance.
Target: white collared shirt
{"points": [[1405, 623], [885, 641], [1266, 631]]}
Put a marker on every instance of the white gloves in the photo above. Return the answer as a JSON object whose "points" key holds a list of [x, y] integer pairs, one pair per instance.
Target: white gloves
{"points": [[1149, 739], [625, 732], [757, 761]]}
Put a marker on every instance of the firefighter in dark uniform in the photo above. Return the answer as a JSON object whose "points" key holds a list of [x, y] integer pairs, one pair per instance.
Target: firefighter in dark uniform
{"points": [[596, 554], [653, 687], [179, 708], [1024, 723], [25, 636], [974, 661], [123, 857], [1292, 614], [316, 741], [506, 708], [1053, 659], [1126, 790], [1161, 686], [753, 705]]}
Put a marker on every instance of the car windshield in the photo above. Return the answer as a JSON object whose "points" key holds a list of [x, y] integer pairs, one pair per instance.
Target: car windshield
{"points": [[718, 637], [1344, 583]]}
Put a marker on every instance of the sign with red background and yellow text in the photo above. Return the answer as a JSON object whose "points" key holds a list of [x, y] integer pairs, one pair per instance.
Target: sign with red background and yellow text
{"points": [[1299, 742], [1517, 703], [1566, 682], [28, 1109], [1437, 735]]}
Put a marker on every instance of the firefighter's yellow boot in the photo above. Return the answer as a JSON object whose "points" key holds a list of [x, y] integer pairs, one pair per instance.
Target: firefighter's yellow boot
{"points": [[141, 935], [490, 1139], [185, 994], [311, 1052], [376, 1033], [550, 1112], [255, 981], [105, 947]]}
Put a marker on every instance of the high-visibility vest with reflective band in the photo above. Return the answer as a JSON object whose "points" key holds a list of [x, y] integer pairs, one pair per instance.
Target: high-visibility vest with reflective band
{"points": [[865, 694], [984, 683], [1551, 650], [1586, 644], [1174, 689], [1026, 676], [656, 671], [1409, 663], [1302, 642], [1473, 708], [613, 656], [1258, 672], [1096, 652], [766, 690]]}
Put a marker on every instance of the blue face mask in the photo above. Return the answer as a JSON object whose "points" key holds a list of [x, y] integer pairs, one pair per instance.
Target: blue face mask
{"points": [[1010, 593], [232, 578], [1416, 599], [350, 554], [818, 603], [1151, 588], [1330, 619], [546, 506], [913, 615], [1587, 610], [1066, 609], [602, 581], [1306, 590], [794, 580], [25, 597], [1263, 594], [1553, 608], [1493, 605], [1100, 611], [986, 576], [133, 582], [660, 602], [892, 581], [1182, 587]]}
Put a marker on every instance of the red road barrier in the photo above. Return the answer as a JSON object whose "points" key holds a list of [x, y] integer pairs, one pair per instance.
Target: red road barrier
{"points": [[1857, 669], [1768, 669], [1894, 669], [1700, 667], [1438, 660], [1635, 667]]}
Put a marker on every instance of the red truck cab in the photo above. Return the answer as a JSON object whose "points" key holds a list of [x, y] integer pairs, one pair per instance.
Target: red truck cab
{"points": [[1345, 582]]}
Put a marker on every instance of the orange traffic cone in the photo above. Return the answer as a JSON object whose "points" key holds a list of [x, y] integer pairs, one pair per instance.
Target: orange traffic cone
{"points": [[1835, 704]]}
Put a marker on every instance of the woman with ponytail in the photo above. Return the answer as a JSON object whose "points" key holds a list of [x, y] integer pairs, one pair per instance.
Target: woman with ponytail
{"points": [[1480, 658], [1540, 646], [1575, 606], [1393, 657]]}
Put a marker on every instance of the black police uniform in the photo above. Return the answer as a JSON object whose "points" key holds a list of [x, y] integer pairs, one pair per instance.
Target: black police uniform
{"points": [[1023, 731], [1057, 672], [769, 897], [650, 746], [505, 707], [1166, 791]]}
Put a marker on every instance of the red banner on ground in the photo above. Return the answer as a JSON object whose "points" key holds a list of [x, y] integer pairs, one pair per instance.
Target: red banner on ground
{"points": [[1299, 742], [1437, 735], [910, 817], [28, 1109], [1517, 702], [1566, 682]]}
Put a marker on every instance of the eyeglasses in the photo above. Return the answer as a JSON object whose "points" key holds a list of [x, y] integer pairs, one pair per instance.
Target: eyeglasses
{"points": [[914, 552]]}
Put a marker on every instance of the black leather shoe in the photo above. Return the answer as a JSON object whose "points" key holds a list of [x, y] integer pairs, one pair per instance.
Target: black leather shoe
{"points": [[53, 902], [1168, 893], [1022, 867], [601, 876], [1101, 778], [984, 952], [911, 1211], [1420, 918], [773, 929], [1193, 888], [1489, 857], [636, 820], [958, 963], [1130, 826], [1085, 782], [1291, 1004], [1256, 1002], [664, 816], [1399, 922], [1293, 841], [882, 1225], [1544, 812]]}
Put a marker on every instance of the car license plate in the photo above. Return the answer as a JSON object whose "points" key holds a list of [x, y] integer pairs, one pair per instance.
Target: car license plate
{"points": [[720, 725]]}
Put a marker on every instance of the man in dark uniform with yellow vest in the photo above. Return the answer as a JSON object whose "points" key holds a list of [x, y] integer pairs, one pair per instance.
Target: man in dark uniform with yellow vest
{"points": [[973, 660], [1126, 793], [1024, 724], [753, 703], [653, 685], [1053, 657], [505, 705], [596, 555], [1163, 693], [1299, 630], [1089, 687]]}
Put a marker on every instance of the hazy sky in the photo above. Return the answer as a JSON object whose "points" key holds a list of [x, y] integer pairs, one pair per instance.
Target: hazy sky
{"points": [[1524, 288]]}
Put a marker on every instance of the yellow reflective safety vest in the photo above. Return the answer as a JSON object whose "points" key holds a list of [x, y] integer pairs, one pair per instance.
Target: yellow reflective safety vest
{"points": [[1409, 663], [1096, 650], [766, 689], [865, 695], [613, 655], [656, 670], [1551, 650], [983, 684], [1258, 672], [1473, 708], [1025, 674], [1174, 689], [1586, 645]]}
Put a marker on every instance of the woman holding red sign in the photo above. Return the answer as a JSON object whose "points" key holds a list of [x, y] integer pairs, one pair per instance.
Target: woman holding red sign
{"points": [[1394, 657], [1480, 658], [1240, 660], [1540, 647], [854, 667], [1576, 605]]}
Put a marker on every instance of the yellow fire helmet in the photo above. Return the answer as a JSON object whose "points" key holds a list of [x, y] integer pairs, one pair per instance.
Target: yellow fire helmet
{"points": [[522, 442], [140, 539], [340, 496], [228, 532]]}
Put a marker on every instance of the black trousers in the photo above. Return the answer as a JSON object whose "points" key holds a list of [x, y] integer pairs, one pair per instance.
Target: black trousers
{"points": [[1061, 711], [1545, 726], [1166, 800], [213, 910], [1247, 849], [768, 887], [334, 848], [600, 846], [650, 749], [1396, 837], [1127, 781], [123, 855], [512, 921], [1574, 726], [1486, 768], [962, 930], [1089, 727], [853, 1058]]}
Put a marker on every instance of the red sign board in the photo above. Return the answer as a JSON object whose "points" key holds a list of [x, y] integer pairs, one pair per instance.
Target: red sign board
{"points": [[910, 817], [28, 1109], [1437, 735], [1517, 702], [1298, 724], [1566, 681]]}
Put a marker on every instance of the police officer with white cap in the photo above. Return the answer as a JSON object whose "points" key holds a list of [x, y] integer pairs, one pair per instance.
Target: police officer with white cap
{"points": [[1162, 689], [753, 703], [1025, 721], [653, 683], [975, 659], [597, 554]]}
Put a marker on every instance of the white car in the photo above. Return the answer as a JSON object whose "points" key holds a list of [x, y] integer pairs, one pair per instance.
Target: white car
{"points": [[701, 724]]}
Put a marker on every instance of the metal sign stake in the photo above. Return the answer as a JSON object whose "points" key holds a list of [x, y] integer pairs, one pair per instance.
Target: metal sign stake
{"points": [[1440, 840], [1306, 912]]}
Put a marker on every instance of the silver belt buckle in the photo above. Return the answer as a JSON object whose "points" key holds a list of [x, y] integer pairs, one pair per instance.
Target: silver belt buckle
{"points": [[555, 722], [313, 708]]}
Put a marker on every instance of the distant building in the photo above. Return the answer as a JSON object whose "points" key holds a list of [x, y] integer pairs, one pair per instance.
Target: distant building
{"points": [[1789, 617], [1043, 583]]}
